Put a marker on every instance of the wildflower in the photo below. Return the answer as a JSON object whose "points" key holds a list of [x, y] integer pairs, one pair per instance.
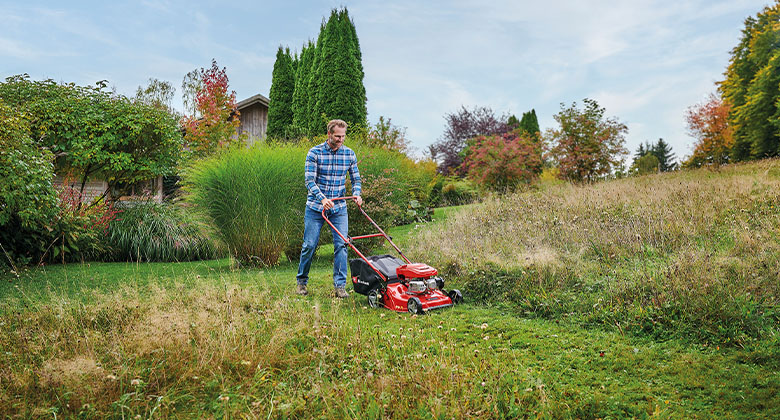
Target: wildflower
{"points": [[135, 382], [439, 326], [483, 383], [452, 329], [223, 398], [486, 337], [403, 337], [111, 377], [484, 326], [381, 315], [392, 335], [245, 362]]}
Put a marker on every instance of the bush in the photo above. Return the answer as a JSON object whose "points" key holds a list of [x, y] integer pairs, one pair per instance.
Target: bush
{"points": [[458, 191], [148, 231], [28, 201], [501, 162], [254, 197]]}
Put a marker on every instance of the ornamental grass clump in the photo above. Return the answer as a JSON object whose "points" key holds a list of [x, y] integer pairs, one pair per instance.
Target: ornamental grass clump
{"points": [[148, 231], [253, 197]]}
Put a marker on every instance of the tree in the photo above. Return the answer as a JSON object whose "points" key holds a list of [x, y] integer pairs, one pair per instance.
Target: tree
{"points": [[643, 149], [512, 123], [300, 100], [158, 93], [708, 123], [530, 124], [463, 125], [218, 123], [92, 132], [387, 135], [752, 88], [191, 84], [280, 111], [647, 164], [502, 161], [663, 152], [587, 145], [340, 92]]}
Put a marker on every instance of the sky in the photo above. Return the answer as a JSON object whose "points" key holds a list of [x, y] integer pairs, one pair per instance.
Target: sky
{"points": [[644, 61]]}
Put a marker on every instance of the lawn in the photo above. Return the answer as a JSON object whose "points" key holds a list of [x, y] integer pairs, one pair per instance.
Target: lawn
{"points": [[207, 340]]}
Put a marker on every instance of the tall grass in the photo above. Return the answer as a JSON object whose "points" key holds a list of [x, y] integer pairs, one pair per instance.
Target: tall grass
{"points": [[255, 197], [695, 253], [148, 231]]}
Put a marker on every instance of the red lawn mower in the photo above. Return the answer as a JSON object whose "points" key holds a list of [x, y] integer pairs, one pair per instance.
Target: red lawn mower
{"points": [[390, 282]]}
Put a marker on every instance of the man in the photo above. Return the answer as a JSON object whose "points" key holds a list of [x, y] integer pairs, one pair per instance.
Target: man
{"points": [[327, 166]]}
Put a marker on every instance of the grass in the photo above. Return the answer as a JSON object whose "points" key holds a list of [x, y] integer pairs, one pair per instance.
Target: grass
{"points": [[691, 254], [207, 340]]}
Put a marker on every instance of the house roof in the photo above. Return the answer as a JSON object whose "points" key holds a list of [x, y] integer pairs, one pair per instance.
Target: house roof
{"points": [[253, 100]]}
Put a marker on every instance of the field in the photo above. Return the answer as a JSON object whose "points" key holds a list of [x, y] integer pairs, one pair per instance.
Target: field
{"points": [[559, 289]]}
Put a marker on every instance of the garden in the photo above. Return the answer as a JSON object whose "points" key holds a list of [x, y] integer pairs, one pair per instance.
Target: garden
{"points": [[592, 289]]}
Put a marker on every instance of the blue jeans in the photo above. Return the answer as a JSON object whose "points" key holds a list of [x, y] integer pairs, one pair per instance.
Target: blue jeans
{"points": [[313, 221]]}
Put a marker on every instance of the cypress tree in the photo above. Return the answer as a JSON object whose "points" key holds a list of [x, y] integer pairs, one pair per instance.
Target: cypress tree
{"points": [[314, 119], [301, 93], [512, 123], [529, 123], [339, 93], [280, 115], [354, 42]]}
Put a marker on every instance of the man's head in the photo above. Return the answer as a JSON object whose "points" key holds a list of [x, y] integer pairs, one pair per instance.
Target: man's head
{"points": [[337, 132]]}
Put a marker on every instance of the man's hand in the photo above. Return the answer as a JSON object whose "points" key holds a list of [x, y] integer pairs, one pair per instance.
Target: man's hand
{"points": [[327, 204], [359, 200]]}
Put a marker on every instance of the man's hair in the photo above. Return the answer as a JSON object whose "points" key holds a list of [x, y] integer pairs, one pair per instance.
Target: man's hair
{"points": [[336, 123]]}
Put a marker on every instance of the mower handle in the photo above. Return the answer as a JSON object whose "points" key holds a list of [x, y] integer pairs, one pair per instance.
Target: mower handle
{"points": [[375, 235]]}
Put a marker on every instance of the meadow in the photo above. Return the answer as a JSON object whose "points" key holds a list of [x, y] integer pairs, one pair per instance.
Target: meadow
{"points": [[602, 301]]}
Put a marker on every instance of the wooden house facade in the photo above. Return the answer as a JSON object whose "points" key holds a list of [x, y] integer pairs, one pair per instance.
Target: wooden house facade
{"points": [[253, 117]]}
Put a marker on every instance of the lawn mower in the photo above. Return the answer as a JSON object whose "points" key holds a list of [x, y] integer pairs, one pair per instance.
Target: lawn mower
{"points": [[393, 283]]}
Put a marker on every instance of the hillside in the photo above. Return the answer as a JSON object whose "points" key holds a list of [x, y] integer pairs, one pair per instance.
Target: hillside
{"points": [[690, 253]]}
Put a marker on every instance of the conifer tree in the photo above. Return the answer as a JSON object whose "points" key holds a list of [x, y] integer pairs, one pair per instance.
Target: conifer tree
{"points": [[340, 90], [301, 93], [529, 123], [663, 152], [280, 115], [314, 118]]}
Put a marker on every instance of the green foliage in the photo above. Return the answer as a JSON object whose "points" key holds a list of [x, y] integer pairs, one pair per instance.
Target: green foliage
{"points": [[280, 112], [529, 124], [503, 162], [647, 164], [587, 146], [387, 135], [95, 133], [254, 197], [340, 91], [26, 173], [300, 101], [215, 125], [456, 191], [752, 87], [148, 231], [329, 79], [159, 93]]}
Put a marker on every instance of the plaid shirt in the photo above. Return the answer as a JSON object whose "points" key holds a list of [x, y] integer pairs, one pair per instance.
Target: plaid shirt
{"points": [[326, 172]]}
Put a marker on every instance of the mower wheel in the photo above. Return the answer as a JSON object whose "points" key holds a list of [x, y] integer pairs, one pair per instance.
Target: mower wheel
{"points": [[456, 296], [414, 306], [374, 298]]}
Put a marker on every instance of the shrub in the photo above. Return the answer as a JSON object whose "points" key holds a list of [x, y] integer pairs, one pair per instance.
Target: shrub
{"points": [[458, 191], [148, 231], [254, 197], [28, 201], [501, 162]]}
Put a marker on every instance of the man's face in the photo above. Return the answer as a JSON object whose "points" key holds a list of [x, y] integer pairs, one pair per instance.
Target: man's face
{"points": [[336, 138]]}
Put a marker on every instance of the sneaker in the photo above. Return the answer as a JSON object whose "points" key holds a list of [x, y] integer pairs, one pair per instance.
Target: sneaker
{"points": [[301, 290], [341, 293]]}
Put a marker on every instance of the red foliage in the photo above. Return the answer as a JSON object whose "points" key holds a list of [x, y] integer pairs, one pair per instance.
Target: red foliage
{"points": [[503, 161], [708, 123], [217, 125]]}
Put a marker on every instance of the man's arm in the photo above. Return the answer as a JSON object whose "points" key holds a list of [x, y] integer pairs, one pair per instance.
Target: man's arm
{"points": [[354, 175], [310, 176]]}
